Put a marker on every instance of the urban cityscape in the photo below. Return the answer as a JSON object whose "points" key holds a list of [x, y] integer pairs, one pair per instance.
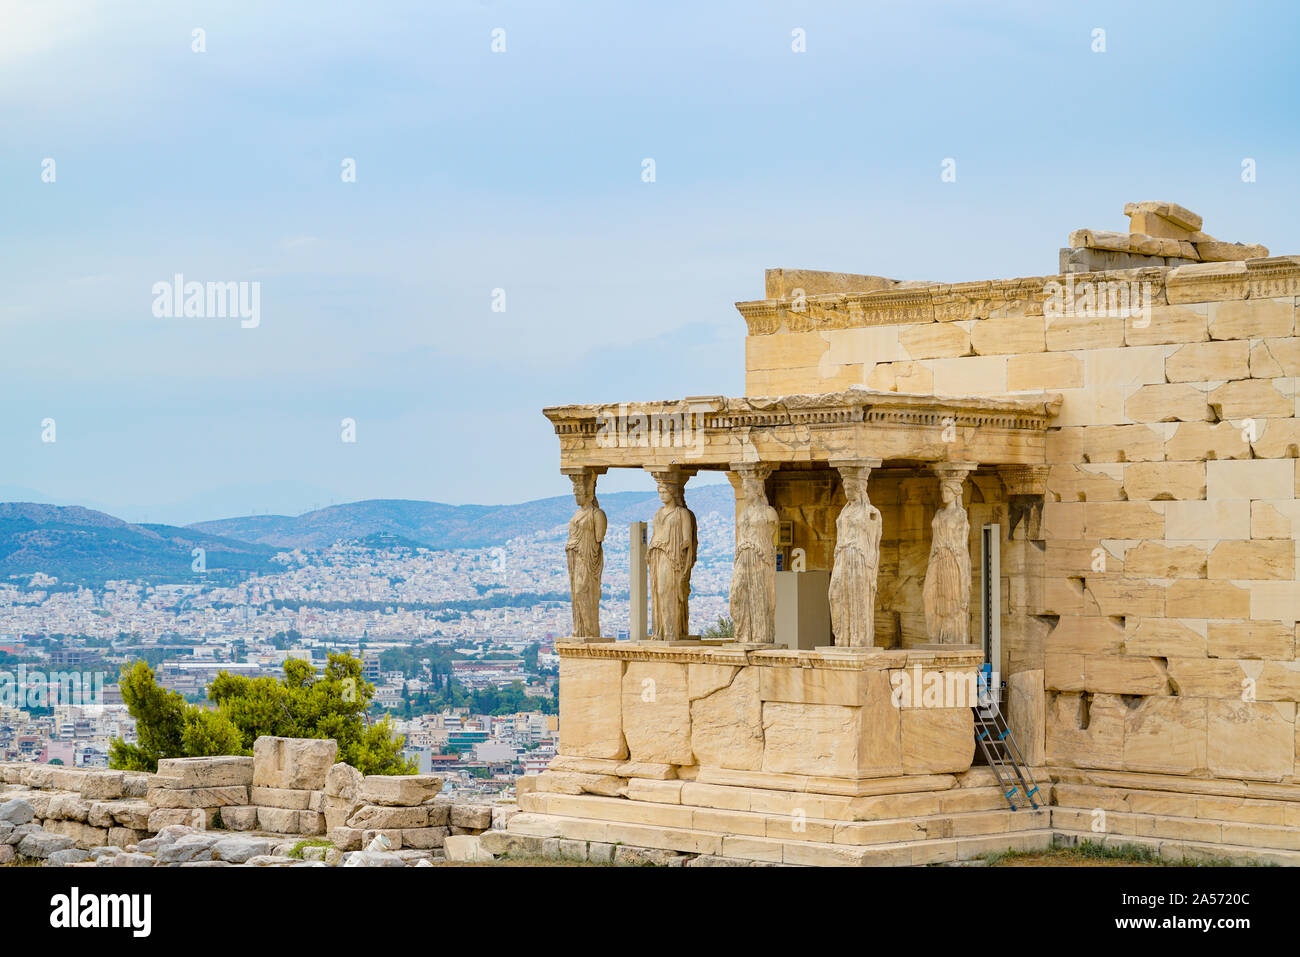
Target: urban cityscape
{"points": [[457, 643]]}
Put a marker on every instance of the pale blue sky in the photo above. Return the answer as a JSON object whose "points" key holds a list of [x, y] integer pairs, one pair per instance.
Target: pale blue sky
{"points": [[522, 170]]}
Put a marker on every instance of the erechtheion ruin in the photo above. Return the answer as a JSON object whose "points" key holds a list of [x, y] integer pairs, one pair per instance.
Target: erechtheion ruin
{"points": [[1085, 479]]}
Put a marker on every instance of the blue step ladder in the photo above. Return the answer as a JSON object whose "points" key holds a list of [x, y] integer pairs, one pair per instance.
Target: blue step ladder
{"points": [[1000, 748]]}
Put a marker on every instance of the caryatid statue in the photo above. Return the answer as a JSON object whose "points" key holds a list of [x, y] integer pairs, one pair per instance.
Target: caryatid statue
{"points": [[856, 562], [671, 556], [586, 555], [947, 578], [753, 576]]}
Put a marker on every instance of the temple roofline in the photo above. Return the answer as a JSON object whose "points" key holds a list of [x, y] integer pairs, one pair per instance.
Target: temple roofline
{"points": [[1258, 278]]}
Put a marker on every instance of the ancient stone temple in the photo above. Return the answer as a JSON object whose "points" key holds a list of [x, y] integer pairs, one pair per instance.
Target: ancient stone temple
{"points": [[1085, 480]]}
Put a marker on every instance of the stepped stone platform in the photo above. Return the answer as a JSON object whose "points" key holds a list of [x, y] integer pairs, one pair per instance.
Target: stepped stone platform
{"points": [[940, 819], [1178, 817]]}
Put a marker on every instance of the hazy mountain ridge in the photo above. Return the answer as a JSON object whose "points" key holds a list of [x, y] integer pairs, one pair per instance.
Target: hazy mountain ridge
{"points": [[74, 543], [437, 525], [80, 544]]}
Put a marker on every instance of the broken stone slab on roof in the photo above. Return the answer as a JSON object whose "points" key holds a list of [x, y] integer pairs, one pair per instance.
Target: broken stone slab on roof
{"points": [[1160, 234], [1218, 252], [785, 283], [1178, 216]]}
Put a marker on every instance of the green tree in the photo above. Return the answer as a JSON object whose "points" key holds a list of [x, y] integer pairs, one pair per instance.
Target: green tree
{"points": [[159, 721], [303, 705], [724, 629], [306, 705], [208, 733]]}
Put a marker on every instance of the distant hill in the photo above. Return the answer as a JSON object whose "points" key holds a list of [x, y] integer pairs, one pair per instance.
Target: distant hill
{"points": [[436, 525], [80, 544]]}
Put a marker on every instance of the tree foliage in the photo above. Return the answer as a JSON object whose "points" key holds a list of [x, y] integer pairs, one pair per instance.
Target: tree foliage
{"points": [[303, 705], [725, 629]]}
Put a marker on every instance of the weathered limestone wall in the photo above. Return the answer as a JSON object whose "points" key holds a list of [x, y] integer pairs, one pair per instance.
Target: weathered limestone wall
{"points": [[1162, 597]]}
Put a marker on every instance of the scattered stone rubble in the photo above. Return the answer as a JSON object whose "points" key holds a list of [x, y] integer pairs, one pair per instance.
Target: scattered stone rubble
{"points": [[1159, 234], [289, 805], [290, 798]]}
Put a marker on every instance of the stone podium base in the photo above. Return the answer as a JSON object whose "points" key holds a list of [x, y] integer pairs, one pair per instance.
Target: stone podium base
{"points": [[744, 752], [912, 820], [840, 715]]}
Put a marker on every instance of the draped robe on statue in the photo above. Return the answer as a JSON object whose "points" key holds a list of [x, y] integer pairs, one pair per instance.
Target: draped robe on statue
{"points": [[947, 579], [586, 566], [671, 556], [853, 575], [753, 577]]}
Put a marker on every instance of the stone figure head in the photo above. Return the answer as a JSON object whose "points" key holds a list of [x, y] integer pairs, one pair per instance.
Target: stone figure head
{"points": [[752, 487], [855, 484], [950, 492], [670, 490], [584, 488]]}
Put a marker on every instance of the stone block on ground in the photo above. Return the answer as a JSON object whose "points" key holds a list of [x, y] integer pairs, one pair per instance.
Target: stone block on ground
{"points": [[297, 763], [103, 785], [293, 799], [346, 838], [384, 818], [286, 821], [381, 840], [394, 790], [72, 855], [132, 860], [16, 812], [466, 848], [502, 813], [198, 797], [198, 818], [125, 836], [68, 779], [239, 818], [477, 816], [213, 772], [41, 844], [424, 838], [372, 859], [343, 781], [189, 847], [337, 810], [136, 784], [238, 849], [68, 807], [83, 835], [647, 857]]}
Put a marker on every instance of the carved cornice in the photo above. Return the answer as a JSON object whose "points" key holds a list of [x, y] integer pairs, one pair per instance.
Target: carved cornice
{"points": [[946, 302], [831, 659], [1032, 413]]}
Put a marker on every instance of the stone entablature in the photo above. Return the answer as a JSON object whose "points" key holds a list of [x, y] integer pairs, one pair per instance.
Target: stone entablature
{"points": [[704, 651], [1266, 277], [714, 432]]}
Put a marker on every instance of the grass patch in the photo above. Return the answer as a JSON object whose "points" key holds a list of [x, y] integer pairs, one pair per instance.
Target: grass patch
{"points": [[526, 860], [298, 848], [1094, 853]]}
